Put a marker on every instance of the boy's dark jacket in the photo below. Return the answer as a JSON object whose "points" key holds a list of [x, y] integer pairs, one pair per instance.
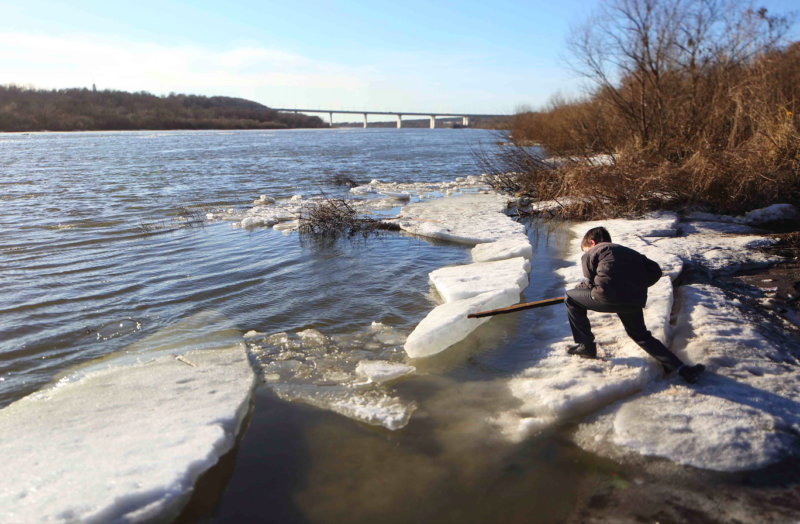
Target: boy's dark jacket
{"points": [[618, 275]]}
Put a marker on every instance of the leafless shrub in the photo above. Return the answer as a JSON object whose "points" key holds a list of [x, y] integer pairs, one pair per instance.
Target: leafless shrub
{"points": [[191, 217], [184, 217], [334, 218]]}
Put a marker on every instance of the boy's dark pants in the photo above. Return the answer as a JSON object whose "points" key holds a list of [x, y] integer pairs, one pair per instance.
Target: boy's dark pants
{"points": [[579, 301]]}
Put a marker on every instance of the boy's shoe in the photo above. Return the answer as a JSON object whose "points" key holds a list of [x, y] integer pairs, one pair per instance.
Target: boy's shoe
{"points": [[583, 350], [691, 374]]}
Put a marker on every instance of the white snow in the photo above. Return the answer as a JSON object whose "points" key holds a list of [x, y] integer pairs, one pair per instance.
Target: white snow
{"points": [[468, 219], [122, 444], [466, 281], [516, 246], [773, 212], [448, 323], [718, 253], [755, 217], [380, 371], [743, 415]]}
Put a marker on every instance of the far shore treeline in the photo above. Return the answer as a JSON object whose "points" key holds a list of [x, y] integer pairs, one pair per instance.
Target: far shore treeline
{"points": [[80, 109]]}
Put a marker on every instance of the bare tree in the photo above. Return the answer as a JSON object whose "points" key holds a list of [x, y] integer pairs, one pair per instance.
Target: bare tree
{"points": [[662, 64]]}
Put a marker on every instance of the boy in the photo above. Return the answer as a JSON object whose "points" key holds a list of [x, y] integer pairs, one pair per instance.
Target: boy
{"points": [[618, 281]]}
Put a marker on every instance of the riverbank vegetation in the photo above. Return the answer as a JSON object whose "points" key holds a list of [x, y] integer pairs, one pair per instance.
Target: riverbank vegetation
{"points": [[691, 104], [31, 109]]}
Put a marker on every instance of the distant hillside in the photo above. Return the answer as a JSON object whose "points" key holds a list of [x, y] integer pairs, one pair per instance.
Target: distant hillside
{"points": [[28, 109]]}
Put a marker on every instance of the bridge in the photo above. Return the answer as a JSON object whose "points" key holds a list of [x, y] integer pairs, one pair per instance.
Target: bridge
{"points": [[464, 116]]}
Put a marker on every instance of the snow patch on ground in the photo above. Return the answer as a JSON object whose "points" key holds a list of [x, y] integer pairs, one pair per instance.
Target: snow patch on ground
{"points": [[561, 387], [122, 444], [719, 253]]}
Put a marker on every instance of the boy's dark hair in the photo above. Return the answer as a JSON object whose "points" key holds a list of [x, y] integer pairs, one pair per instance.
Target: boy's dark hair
{"points": [[598, 234]]}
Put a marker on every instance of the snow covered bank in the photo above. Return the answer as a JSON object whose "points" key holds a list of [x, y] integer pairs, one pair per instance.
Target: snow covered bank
{"points": [[718, 247], [122, 444], [745, 413], [559, 386]]}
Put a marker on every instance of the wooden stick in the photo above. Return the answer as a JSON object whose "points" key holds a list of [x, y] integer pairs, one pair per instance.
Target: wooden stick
{"points": [[518, 307]]}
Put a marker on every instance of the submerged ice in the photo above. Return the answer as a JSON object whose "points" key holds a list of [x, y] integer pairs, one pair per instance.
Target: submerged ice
{"points": [[347, 374]]}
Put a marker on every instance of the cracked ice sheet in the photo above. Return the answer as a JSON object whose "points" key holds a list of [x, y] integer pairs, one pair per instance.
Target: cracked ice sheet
{"points": [[560, 386], [743, 415], [466, 281], [467, 219], [122, 444]]}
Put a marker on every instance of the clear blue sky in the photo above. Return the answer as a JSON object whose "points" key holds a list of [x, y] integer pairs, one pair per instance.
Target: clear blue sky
{"points": [[466, 56]]}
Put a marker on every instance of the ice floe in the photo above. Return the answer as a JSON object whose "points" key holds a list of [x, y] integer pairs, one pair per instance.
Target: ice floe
{"points": [[122, 444], [468, 219], [516, 246], [466, 281], [380, 371], [370, 407], [448, 323]]}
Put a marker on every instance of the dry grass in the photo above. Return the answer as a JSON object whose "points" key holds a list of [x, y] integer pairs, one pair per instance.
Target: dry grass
{"points": [[710, 121]]}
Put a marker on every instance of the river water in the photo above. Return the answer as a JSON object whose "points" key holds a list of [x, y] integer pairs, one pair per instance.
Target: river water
{"points": [[80, 281]]}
